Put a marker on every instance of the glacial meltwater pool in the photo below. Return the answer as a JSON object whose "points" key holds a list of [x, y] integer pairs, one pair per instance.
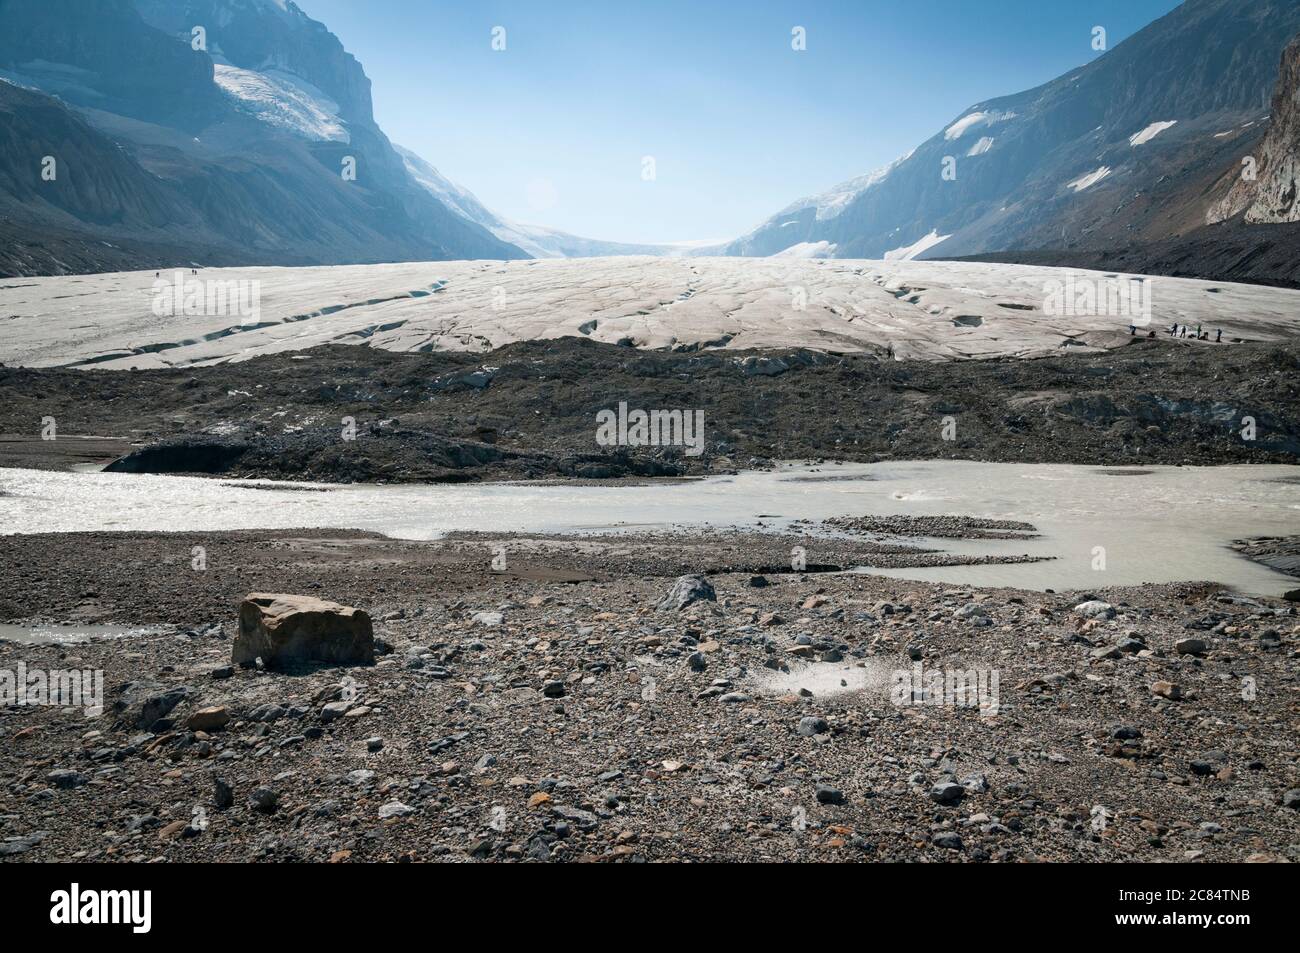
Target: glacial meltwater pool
{"points": [[1148, 524]]}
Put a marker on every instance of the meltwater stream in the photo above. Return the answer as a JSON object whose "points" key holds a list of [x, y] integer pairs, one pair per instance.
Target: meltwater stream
{"points": [[1149, 524]]}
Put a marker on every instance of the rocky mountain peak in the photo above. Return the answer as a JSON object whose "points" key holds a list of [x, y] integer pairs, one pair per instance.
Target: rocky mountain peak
{"points": [[1269, 188]]}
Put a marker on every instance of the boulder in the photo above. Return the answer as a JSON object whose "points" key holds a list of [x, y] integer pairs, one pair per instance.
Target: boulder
{"points": [[208, 719], [287, 630], [686, 590], [1095, 609]]}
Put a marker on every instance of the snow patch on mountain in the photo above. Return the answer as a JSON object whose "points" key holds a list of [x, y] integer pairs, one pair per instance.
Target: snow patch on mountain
{"points": [[981, 147], [966, 123], [807, 250], [1089, 180], [1150, 132], [283, 100], [918, 247], [831, 203]]}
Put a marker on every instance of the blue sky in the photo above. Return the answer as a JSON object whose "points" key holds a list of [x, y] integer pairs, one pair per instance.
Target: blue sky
{"points": [[553, 129]]}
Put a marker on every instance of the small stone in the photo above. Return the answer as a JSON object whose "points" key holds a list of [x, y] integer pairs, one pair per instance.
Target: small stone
{"points": [[1190, 646], [172, 830], [264, 800], [809, 726], [1291, 799], [1095, 609], [209, 719], [395, 809], [1167, 689], [334, 711], [374, 744], [947, 839], [826, 794], [947, 793], [553, 689], [66, 778], [223, 796]]}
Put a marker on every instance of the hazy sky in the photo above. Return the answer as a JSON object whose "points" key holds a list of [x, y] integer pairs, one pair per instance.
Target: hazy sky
{"points": [[553, 129]]}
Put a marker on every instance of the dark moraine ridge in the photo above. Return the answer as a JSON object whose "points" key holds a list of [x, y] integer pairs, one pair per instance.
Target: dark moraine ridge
{"points": [[440, 417]]}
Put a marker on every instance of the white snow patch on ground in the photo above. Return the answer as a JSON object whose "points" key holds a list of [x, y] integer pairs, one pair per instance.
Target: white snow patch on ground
{"points": [[1091, 179], [284, 100], [1150, 132], [925, 242], [981, 147], [822, 249]]}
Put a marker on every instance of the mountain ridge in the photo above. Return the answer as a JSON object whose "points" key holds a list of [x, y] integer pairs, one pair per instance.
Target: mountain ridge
{"points": [[1020, 161]]}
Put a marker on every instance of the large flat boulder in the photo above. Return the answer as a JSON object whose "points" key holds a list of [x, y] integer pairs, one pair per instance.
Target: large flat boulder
{"points": [[288, 630]]}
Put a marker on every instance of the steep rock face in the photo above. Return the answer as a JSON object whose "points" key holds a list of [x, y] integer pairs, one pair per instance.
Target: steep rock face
{"points": [[91, 179], [1083, 143], [270, 35], [233, 153], [1271, 196], [105, 57]]}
